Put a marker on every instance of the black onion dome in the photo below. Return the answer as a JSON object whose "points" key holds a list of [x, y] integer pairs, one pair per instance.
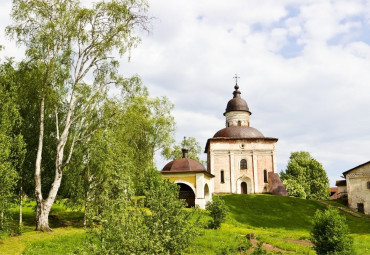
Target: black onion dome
{"points": [[239, 132], [237, 103]]}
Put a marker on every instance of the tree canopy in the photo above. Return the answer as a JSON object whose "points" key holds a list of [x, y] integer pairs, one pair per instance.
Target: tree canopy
{"points": [[308, 173], [69, 50], [189, 143]]}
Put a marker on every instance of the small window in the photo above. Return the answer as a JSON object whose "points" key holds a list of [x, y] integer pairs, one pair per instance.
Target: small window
{"points": [[222, 177], [239, 123], [360, 207], [243, 164], [368, 185], [265, 176], [228, 124]]}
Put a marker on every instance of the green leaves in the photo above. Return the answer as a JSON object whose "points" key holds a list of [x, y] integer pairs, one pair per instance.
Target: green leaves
{"points": [[329, 233], [11, 141], [218, 211], [309, 174]]}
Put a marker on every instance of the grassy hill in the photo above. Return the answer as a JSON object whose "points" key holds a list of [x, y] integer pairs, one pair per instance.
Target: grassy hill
{"points": [[281, 223]]}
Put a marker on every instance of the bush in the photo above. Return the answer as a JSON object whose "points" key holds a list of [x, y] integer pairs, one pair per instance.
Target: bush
{"points": [[218, 210], [294, 188], [156, 223], [329, 234]]}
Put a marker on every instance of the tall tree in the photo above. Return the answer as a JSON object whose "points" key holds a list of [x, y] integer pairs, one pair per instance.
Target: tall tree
{"points": [[71, 47], [174, 151], [11, 142], [124, 145], [309, 173]]}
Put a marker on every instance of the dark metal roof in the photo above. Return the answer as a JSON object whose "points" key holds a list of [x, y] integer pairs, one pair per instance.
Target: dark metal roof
{"points": [[346, 172], [239, 132], [184, 165], [341, 183], [237, 103]]}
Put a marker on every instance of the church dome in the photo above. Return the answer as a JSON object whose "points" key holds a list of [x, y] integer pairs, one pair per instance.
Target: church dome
{"points": [[237, 103], [239, 132], [184, 165]]}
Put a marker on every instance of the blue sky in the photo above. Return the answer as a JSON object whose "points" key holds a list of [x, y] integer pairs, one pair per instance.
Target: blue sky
{"points": [[304, 70]]}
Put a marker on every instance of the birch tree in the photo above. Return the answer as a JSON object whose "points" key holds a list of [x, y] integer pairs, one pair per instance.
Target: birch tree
{"points": [[72, 47]]}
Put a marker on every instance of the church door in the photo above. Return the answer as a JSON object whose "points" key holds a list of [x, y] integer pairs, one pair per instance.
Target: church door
{"points": [[244, 188]]}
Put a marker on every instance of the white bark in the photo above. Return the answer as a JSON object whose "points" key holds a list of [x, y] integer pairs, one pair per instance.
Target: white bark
{"points": [[42, 222]]}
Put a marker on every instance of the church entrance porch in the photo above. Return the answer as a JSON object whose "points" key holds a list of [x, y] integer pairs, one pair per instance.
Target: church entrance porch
{"points": [[244, 185], [187, 193], [244, 188]]}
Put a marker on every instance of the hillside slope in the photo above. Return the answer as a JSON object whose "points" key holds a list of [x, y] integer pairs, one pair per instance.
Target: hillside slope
{"points": [[283, 223]]}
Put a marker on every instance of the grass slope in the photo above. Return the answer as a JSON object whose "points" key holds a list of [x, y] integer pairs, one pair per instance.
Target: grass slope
{"points": [[282, 222]]}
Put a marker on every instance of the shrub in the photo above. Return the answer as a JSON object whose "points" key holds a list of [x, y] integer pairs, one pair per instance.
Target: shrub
{"points": [[218, 210], [330, 233], [294, 188]]}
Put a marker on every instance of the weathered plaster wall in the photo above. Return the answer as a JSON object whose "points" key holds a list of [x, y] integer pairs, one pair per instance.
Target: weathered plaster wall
{"points": [[357, 188], [233, 117]]}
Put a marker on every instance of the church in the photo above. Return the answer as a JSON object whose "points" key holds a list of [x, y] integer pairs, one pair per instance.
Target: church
{"points": [[240, 160]]}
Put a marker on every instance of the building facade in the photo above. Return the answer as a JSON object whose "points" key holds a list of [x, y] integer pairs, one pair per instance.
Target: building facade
{"points": [[240, 157], [358, 187]]}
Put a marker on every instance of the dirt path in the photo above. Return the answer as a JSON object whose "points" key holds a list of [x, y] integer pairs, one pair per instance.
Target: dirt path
{"points": [[346, 210]]}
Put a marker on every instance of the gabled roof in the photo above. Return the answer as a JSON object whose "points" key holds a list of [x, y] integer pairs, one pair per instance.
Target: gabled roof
{"points": [[347, 172]]}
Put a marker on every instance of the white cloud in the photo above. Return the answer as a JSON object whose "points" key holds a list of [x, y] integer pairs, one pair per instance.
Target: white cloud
{"points": [[304, 68]]}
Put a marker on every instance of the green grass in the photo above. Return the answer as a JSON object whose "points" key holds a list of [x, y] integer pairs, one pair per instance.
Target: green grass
{"points": [[282, 222]]}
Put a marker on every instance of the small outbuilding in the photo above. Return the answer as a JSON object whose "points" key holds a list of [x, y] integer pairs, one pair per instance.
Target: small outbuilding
{"points": [[195, 182], [357, 187]]}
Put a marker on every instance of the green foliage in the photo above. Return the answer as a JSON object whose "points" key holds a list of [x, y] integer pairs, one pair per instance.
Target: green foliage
{"points": [[294, 188], [161, 223], [11, 143], [175, 151], [329, 233], [66, 43], [218, 211], [308, 173], [259, 250], [271, 220]]}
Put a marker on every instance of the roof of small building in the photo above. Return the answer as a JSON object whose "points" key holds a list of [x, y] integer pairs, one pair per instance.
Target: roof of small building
{"points": [[356, 167], [184, 165]]}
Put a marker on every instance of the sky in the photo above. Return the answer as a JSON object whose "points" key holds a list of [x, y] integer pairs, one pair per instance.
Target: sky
{"points": [[304, 69]]}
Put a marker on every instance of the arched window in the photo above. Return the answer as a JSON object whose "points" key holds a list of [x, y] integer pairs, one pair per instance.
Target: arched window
{"points": [[265, 176], [222, 176], [243, 164], [368, 185], [239, 123]]}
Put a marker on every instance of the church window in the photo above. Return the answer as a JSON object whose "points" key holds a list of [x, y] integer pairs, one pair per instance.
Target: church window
{"points": [[243, 164], [368, 185], [239, 123], [265, 176], [222, 176]]}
